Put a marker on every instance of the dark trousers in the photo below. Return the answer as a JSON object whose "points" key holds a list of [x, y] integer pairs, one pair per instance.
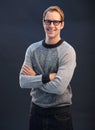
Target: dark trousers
{"points": [[50, 118]]}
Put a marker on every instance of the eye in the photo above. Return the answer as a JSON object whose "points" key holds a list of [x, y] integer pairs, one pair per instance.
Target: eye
{"points": [[47, 22], [55, 22]]}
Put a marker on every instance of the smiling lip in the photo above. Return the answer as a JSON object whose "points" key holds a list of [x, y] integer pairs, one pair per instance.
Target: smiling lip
{"points": [[50, 31]]}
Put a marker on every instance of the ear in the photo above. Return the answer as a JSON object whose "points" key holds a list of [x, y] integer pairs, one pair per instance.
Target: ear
{"points": [[62, 25], [43, 22]]}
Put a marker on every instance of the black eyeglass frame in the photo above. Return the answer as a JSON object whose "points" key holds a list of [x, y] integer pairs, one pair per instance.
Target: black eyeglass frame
{"points": [[55, 22]]}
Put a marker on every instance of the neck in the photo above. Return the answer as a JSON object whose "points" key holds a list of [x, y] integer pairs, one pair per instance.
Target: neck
{"points": [[52, 40]]}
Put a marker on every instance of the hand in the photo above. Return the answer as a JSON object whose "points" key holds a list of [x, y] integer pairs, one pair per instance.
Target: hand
{"points": [[52, 76], [27, 70]]}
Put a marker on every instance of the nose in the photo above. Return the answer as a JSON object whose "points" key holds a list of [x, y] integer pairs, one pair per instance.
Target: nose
{"points": [[51, 24]]}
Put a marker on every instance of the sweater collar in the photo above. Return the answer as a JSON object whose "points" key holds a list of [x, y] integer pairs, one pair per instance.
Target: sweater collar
{"points": [[52, 45]]}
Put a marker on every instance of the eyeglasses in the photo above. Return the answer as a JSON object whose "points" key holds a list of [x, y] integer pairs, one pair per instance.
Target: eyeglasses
{"points": [[55, 22]]}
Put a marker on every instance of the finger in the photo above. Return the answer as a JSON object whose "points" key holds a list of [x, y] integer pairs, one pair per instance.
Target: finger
{"points": [[28, 69], [27, 66], [24, 70]]}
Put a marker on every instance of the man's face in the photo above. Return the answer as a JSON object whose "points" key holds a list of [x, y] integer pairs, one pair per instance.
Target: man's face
{"points": [[52, 29]]}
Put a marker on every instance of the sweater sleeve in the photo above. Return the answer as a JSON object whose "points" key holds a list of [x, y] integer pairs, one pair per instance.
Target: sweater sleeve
{"points": [[67, 64], [26, 81]]}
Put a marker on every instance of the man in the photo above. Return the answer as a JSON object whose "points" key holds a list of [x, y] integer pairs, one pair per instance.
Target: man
{"points": [[48, 69]]}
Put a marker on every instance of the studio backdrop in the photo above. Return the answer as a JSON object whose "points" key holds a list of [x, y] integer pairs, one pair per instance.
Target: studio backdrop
{"points": [[20, 26]]}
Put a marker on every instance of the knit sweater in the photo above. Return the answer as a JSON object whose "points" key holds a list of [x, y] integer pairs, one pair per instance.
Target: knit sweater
{"points": [[45, 59]]}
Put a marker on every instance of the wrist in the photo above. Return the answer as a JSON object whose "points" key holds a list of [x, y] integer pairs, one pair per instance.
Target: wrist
{"points": [[45, 78]]}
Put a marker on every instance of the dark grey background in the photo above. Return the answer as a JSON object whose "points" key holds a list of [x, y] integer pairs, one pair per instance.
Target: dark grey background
{"points": [[21, 25]]}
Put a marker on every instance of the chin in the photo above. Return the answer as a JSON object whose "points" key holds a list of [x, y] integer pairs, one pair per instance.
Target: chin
{"points": [[50, 36]]}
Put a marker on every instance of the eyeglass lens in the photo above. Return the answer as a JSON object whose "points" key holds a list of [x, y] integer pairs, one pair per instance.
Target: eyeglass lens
{"points": [[55, 22]]}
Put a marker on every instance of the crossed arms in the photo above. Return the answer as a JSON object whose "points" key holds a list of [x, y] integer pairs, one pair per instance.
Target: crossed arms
{"points": [[27, 70], [58, 82]]}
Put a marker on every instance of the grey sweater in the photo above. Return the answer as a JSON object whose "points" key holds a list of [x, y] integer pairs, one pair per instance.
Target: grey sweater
{"points": [[45, 59]]}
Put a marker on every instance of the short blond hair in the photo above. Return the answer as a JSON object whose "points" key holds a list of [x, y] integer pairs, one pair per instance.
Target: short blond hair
{"points": [[54, 8]]}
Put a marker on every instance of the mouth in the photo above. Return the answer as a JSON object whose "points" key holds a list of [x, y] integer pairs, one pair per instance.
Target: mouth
{"points": [[50, 31]]}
